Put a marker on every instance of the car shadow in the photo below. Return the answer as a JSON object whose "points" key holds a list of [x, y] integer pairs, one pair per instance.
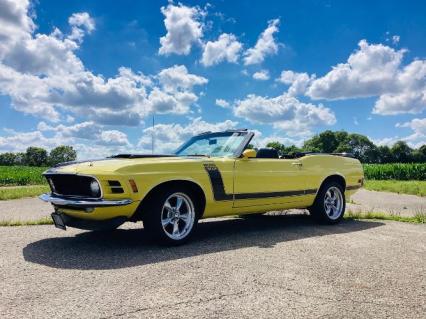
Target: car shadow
{"points": [[132, 247]]}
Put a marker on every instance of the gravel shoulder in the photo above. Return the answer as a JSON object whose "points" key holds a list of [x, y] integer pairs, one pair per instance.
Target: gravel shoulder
{"points": [[24, 209], [385, 202], [265, 267]]}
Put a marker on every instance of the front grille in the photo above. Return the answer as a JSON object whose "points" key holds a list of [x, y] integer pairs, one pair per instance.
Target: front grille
{"points": [[72, 185]]}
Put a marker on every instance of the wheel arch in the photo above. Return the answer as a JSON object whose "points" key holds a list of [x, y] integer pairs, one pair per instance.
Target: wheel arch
{"points": [[336, 177], [193, 187]]}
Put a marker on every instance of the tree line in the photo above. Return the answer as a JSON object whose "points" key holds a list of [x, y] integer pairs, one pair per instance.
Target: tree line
{"points": [[37, 156], [358, 145], [326, 142]]}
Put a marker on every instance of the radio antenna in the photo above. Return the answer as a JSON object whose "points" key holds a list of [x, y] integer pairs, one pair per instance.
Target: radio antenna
{"points": [[152, 136]]}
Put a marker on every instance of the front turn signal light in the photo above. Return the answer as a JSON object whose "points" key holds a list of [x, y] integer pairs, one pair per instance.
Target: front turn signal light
{"points": [[133, 185]]}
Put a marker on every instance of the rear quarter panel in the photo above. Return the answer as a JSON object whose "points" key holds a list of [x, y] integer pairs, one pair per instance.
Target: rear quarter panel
{"points": [[319, 167]]}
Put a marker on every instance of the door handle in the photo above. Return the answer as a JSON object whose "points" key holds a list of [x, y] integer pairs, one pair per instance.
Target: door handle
{"points": [[296, 163]]}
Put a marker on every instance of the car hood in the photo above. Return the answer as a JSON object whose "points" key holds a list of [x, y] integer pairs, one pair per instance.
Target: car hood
{"points": [[109, 165]]}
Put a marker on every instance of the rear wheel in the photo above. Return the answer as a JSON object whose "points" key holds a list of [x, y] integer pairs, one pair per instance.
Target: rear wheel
{"points": [[329, 206], [172, 216]]}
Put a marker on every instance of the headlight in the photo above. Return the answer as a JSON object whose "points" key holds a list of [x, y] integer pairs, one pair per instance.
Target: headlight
{"points": [[95, 189]]}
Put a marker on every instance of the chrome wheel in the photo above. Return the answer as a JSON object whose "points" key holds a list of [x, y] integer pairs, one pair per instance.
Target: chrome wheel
{"points": [[177, 216], [333, 203]]}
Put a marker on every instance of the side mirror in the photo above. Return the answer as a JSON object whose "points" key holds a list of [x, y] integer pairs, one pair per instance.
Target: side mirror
{"points": [[249, 153]]}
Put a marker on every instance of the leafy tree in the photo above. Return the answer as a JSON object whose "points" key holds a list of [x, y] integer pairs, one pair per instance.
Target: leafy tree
{"points": [[419, 155], [20, 159], [338, 142], [62, 154], [401, 152], [276, 145], [385, 155], [282, 149], [326, 142], [7, 159], [362, 148], [36, 156]]}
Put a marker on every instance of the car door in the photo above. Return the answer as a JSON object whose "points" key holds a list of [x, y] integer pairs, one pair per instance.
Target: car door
{"points": [[264, 181]]}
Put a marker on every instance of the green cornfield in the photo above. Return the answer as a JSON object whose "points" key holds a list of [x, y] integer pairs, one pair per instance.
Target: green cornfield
{"points": [[403, 172], [21, 175]]}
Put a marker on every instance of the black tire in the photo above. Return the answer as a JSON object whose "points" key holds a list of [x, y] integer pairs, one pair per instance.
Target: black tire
{"points": [[157, 213], [322, 210]]}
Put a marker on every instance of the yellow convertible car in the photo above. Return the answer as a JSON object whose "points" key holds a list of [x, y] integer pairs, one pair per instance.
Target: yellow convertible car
{"points": [[211, 175]]}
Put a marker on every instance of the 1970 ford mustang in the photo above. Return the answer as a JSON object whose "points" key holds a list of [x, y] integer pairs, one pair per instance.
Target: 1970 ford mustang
{"points": [[211, 175]]}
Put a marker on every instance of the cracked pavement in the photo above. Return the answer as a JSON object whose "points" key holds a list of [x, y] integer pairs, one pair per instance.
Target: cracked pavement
{"points": [[260, 267]]}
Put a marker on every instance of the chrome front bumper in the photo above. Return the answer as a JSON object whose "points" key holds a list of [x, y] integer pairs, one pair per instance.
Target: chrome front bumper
{"points": [[83, 203]]}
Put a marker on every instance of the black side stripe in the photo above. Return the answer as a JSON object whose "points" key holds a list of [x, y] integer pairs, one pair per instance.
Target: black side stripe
{"points": [[219, 188], [217, 182], [275, 194]]}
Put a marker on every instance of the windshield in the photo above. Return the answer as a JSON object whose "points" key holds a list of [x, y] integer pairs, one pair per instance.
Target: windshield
{"points": [[214, 144]]}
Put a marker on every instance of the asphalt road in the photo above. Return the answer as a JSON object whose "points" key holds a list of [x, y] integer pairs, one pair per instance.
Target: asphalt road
{"points": [[262, 267]]}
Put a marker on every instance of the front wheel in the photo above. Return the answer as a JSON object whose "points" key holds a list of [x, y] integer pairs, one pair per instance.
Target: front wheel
{"points": [[329, 206], [172, 217]]}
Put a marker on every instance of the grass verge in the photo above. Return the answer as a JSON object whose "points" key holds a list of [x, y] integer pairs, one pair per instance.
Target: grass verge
{"points": [[401, 187], [22, 191], [41, 221], [418, 218]]}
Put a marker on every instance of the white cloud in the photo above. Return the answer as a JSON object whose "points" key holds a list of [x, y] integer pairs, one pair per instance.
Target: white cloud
{"points": [[299, 82], [16, 25], [375, 70], [261, 75], [84, 130], [44, 77], [19, 141], [88, 138], [177, 78], [417, 125], [168, 137], [408, 94], [284, 112], [183, 29], [176, 95], [369, 71], [226, 48], [395, 39], [388, 141], [285, 140], [80, 22], [400, 103], [265, 45], [177, 102], [418, 137], [114, 137], [222, 103]]}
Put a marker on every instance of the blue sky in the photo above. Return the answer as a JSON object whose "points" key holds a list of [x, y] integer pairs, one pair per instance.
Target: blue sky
{"points": [[92, 74]]}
